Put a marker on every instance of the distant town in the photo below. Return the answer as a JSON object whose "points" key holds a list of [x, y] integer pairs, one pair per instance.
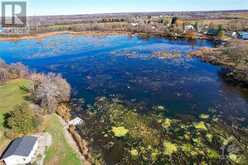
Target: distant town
{"points": [[195, 24]]}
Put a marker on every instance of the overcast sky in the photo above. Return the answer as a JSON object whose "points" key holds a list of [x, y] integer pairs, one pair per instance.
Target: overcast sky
{"points": [[65, 7]]}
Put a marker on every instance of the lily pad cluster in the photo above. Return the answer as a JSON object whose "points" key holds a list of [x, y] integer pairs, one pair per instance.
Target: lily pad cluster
{"points": [[119, 131]]}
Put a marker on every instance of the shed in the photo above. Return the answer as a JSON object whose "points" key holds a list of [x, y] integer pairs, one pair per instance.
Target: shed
{"points": [[76, 121]]}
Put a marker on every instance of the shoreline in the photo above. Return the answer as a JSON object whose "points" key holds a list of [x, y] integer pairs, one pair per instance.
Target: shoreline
{"points": [[232, 57], [40, 36]]}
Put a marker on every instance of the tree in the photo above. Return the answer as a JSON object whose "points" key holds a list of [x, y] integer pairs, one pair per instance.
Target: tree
{"points": [[174, 20], [4, 75], [220, 32], [22, 119], [12, 71], [19, 70], [196, 26], [50, 90]]}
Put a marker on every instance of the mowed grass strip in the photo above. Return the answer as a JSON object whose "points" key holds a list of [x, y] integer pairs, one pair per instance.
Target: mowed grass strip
{"points": [[60, 152]]}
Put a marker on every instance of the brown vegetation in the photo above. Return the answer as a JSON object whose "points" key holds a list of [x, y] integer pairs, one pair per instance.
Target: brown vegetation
{"points": [[13, 71], [234, 55], [82, 144], [50, 90], [64, 112]]}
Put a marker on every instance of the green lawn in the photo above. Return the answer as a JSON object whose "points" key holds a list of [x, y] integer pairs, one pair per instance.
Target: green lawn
{"points": [[11, 95], [60, 152]]}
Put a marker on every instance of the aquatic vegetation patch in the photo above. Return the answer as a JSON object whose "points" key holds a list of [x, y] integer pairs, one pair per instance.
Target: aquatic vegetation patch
{"points": [[134, 153], [169, 148], [119, 131], [204, 116], [212, 154], [167, 55], [201, 126], [156, 139], [166, 123]]}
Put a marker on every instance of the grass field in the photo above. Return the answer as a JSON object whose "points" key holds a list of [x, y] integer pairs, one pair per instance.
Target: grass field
{"points": [[11, 95], [60, 152]]}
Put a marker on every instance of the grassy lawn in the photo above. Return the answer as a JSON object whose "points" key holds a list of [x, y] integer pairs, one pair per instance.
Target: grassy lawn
{"points": [[11, 95], [60, 152]]}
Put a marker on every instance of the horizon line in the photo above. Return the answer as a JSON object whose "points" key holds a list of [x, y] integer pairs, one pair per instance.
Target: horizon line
{"points": [[144, 12]]}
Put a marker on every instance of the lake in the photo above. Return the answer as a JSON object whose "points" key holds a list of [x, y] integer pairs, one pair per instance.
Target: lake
{"points": [[127, 68]]}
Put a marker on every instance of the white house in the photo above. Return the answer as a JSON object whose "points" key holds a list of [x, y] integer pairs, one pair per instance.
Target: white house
{"points": [[189, 27], [134, 24], [76, 121], [20, 151]]}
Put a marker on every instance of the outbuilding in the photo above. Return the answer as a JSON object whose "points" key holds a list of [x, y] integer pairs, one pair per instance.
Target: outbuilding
{"points": [[76, 121], [243, 35], [20, 151]]}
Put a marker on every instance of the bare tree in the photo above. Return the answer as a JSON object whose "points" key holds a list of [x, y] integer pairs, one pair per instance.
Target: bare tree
{"points": [[19, 70], [50, 90], [4, 75]]}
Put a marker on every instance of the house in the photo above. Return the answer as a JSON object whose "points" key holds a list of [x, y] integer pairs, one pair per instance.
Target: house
{"points": [[20, 151], [134, 24], [234, 34], [189, 27], [76, 121], [212, 32], [243, 35]]}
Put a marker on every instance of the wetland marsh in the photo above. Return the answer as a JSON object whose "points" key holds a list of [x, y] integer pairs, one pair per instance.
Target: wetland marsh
{"points": [[144, 101]]}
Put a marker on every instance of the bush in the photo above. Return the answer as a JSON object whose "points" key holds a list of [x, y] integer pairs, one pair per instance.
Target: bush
{"points": [[22, 120], [18, 70], [4, 75], [50, 90], [12, 71]]}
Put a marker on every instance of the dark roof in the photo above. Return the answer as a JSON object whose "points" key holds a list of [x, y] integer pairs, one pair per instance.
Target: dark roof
{"points": [[20, 146]]}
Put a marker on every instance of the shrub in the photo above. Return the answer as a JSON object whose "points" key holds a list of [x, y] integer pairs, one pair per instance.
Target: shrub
{"points": [[12, 71], [18, 70], [4, 75], [22, 119]]}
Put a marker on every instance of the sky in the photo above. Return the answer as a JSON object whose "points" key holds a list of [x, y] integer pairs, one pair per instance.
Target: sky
{"points": [[68, 7]]}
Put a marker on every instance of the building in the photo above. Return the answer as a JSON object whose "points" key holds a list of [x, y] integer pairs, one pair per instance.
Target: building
{"points": [[76, 121], [243, 35], [20, 151], [189, 28]]}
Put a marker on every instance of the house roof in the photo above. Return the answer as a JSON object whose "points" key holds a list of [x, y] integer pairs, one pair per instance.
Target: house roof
{"points": [[20, 146]]}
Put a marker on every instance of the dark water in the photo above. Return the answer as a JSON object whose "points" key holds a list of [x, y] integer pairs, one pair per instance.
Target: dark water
{"points": [[124, 67]]}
